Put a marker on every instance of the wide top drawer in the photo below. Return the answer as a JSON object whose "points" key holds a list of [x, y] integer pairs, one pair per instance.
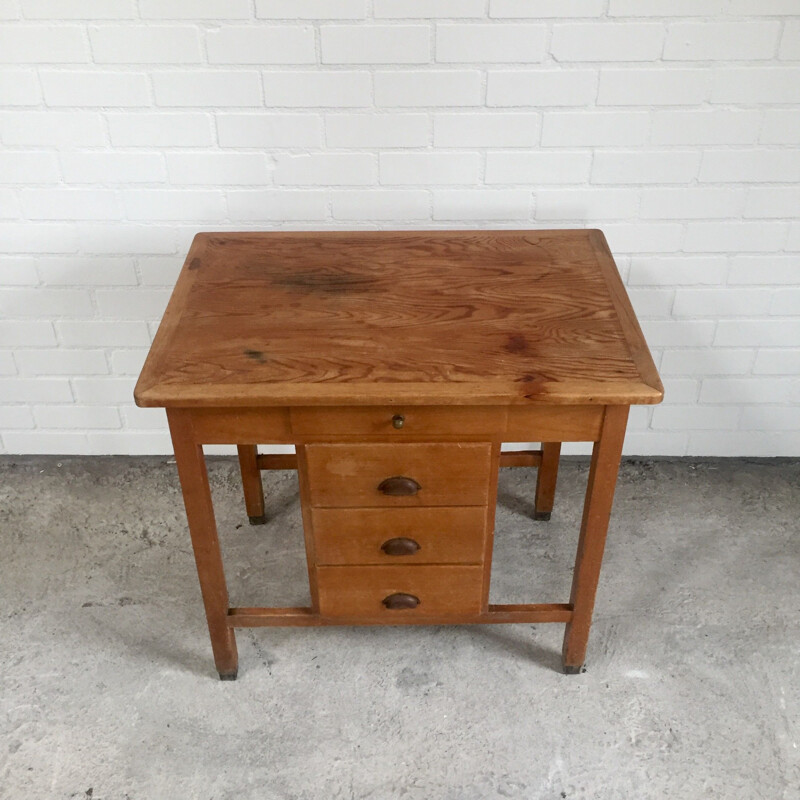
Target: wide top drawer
{"points": [[399, 421], [393, 475]]}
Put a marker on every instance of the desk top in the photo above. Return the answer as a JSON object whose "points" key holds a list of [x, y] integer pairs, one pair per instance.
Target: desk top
{"points": [[414, 317]]}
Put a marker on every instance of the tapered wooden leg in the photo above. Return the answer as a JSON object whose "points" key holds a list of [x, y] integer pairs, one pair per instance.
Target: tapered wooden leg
{"points": [[205, 542], [594, 526], [251, 482], [546, 480]]}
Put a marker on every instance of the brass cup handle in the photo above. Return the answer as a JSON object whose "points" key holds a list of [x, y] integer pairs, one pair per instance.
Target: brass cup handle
{"points": [[400, 600], [398, 486], [400, 547]]}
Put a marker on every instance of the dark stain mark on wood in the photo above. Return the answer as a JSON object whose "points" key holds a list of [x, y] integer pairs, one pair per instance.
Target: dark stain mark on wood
{"points": [[531, 386], [517, 343], [256, 355], [325, 282], [195, 263], [533, 390]]}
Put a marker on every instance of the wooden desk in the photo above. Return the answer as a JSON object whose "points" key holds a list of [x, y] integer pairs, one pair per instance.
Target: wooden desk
{"points": [[397, 363]]}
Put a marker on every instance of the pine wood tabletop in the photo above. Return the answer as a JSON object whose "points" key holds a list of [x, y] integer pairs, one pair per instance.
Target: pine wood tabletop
{"points": [[419, 317]]}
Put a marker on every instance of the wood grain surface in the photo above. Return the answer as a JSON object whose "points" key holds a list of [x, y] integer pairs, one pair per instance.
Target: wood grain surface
{"points": [[535, 422], [468, 318], [414, 421], [348, 475], [355, 591], [445, 535], [299, 616]]}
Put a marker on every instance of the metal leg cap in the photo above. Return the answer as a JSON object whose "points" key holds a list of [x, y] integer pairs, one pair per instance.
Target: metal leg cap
{"points": [[570, 669], [260, 520], [228, 676], [542, 516]]}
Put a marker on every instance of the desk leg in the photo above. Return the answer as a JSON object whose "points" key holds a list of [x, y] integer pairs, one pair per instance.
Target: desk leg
{"points": [[546, 478], [591, 543], [205, 542], [251, 483]]}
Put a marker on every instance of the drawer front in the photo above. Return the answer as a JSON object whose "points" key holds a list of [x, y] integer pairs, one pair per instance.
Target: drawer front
{"points": [[244, 425], [399, 422], [554, 423], [364, 591], [399, 536], [367, 475]]}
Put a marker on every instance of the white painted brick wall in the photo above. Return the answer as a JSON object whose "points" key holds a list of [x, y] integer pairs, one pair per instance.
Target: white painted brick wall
{"points": [[543, 87], [382, 131], [19, 87], [375, 44], [278, 44], [43, 44], [128, 125], [310, 89], [94, 88], [415, 169], [391, 204], [269, 130], [277, 206], [217, 168], [145, 44], [622, 41], [429, 88], [485, 130], [498, 43], [709, 41], [99, 167]]}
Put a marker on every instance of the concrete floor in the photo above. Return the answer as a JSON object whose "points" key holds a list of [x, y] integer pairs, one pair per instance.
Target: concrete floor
{"points": [[109, 692]]}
